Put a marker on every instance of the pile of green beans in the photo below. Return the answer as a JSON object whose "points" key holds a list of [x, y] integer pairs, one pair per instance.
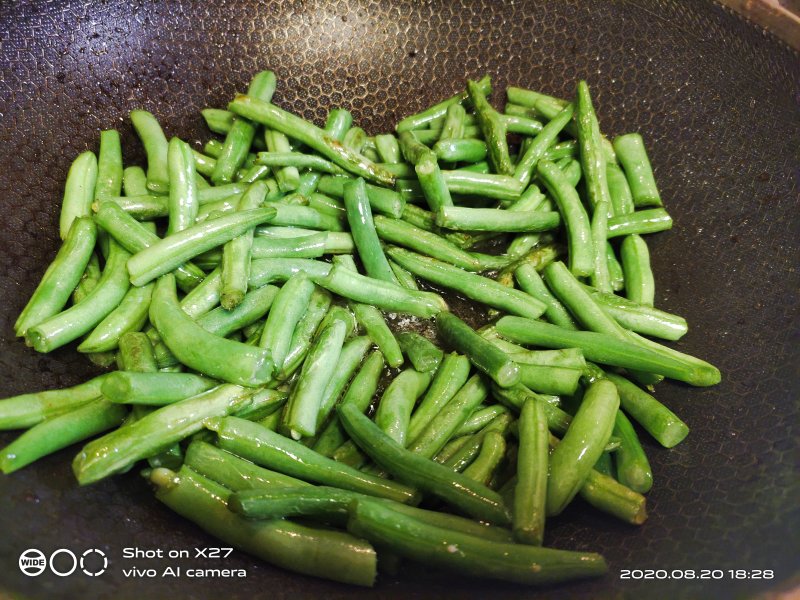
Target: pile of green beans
{"points": [[282, 350]]}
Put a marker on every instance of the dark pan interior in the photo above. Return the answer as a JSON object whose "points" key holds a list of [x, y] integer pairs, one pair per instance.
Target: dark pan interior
{"points": [[717, 101]]}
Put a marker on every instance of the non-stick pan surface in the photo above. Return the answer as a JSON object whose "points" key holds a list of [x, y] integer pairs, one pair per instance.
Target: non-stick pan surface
{"points": [[717, 101]]}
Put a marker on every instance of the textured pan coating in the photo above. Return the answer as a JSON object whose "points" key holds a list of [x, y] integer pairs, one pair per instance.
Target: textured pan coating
{"points": [[716, 101]]}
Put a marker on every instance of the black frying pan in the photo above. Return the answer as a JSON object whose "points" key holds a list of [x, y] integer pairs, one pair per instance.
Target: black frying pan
{"points": [[718, 103]]}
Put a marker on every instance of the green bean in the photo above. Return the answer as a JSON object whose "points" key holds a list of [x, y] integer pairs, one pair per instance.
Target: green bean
{"points": [[605, 464], [421, 119], [493, 128], [609, 350], [417, 540], [303, 216], [600, 277], [287, 309], [318, 552], [633, 468], [236, 254], [630, 151], [59, 432], [574, 457], [129, 315], [78, 191], [80, 318], [530, 98], [298, 161], [326, 204], [530, 492], [376, 328], [183, 203], [423, 354], [241, 132], [153, 389], [134, 181], [518, 110], [531, 283], [218, 120], [454, 123], [654, 417], [651, 220], [480, 289], [154, 432], [586, 310], [557, 381], [288, 177], [359, 216], [405, 278], [397, 402], [451, 448], [571, 169], [213, 148], [434, 185], [300, 416], [143, 207], [451, 375], [593, 161], [61, 276], [473, 498], [388, 148], [221, 192], [492, 452], [27, 410], [109, 165], [136, 353], [134, 237], [384, 296], [272, 450], [303, 332], [619, 190], [576, 221], [442, 427], [340, 313], [279, 120], [614, 269], [492, 219], [155, 147], [255, 305], [460, 150], [169, 253], [607, 494], [498, 187], [360, 393], [537, 150], [639, 283], [201, 350], [642, 319], [381, 200], [350, 358], [467, 453], [355, 139], [570, 358], [233, 472], [481, 417], [411, 236]]}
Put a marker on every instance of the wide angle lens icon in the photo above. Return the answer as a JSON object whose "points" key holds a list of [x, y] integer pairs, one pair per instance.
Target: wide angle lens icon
{"points": [[32, 562]]}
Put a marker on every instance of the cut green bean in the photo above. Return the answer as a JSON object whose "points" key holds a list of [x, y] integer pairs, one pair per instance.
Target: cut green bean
{"points": [[129, 315], [385, 201], [530, 492], [492, 452], [397, 402], [480, 289], [155, 147], [639, 282], [493, 128], [300, 417], [654, 417], [492, 219], [473, 498], [359, 216], [538, 148], [109, 165], [78, 191], [615, 271], [576, 221], [423, 118], [288, 177], [609, 350], [267, 448], [479, 419], [451, 375], [633, 468], [431, 179], [556, 381], [80, 318], [273, 117], [287, 309], [201, 350], [134, 181], [136, 353], [299, 160], [443, 426], [651, 220], [593, 162], [467, 453], [154, 432], [59, 432], [422, 353], [350, 358], [575, 456], [619, 190], [376, 328], [318, 552], [255, 305], [531, 283], [388, 148], [153, 389], [167, 254], [460, 150], [218, 120], [143, 207], [309, 322], [600, 277], [236, 254], [498, 187], [630, 151], [183, 203], [61, 276]]}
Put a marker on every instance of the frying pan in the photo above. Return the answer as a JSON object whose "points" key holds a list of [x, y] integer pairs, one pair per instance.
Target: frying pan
{"points": [[717, 101]]}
